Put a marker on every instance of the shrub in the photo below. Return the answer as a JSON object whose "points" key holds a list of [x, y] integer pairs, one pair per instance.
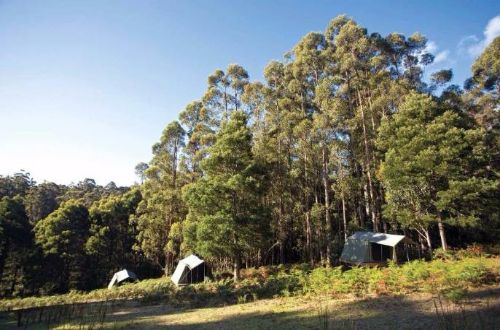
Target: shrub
{"points": [[355, 280], [441, 254], [467, 273], [455, 294], [437, 276], [322, 279], [474, 250]]}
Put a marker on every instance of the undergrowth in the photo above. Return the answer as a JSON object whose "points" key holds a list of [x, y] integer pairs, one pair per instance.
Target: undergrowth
{"points": [[440, 276]]}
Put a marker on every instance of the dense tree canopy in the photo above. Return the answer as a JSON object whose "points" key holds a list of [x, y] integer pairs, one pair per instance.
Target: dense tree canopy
{"points": [[343, 134], [435, 168], [225, 216]]}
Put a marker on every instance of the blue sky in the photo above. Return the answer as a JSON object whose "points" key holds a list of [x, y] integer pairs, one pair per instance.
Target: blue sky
{"points": [[86, 87]]}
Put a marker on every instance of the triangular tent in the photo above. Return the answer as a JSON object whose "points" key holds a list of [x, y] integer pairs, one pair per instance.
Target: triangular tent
{"points": [[189, 270], [122, 276]]}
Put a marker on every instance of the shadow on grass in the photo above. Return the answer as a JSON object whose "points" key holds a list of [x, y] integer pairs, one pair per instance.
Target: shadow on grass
{"points": [[479, 310]]}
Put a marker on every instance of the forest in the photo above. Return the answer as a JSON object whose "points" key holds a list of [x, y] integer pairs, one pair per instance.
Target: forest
{"points": [[347, 132]]}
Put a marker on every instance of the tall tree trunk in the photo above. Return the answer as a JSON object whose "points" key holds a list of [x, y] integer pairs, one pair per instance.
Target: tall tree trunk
{"points": [[361, 215], [442, 234], [428, 239], [3, 257], [344, 217], [328, 220], [237, 268], [166, 268], [309, 237], [368, 166], [307, 209], [366, 200], [13, 281], [226, 108], [281, 229], [281, 232]]}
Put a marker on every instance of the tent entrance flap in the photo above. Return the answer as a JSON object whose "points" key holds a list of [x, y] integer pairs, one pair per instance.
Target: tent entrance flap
{"points": [[380, 252]]}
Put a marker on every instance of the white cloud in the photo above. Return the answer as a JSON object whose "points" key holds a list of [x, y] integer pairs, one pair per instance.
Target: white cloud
{"points": [[473, 45], [431, 47], [441, 56], [492, 29]]}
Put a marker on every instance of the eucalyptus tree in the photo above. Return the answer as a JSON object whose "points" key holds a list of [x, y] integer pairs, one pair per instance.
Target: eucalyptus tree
{"points": [[199, 124], [224, 91], [42, 199], [17, 184], [350, 58], [161, 205], [435, 169], [483, 88], [273, 141], [226, 218], [111, 234], [140, 171], [87, 190], [310, 65], [62, 236], [16, 244]]}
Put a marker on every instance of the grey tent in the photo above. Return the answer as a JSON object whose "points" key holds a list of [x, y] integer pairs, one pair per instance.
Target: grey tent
{"points": [[189, 270], [371, 248], [122, 276]]}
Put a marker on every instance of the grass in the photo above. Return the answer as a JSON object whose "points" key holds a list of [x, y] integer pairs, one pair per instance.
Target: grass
{"points": [[413, 311], [449, 278]]}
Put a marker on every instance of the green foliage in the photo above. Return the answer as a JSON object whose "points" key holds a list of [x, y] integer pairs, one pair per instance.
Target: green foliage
{"points": [[450, 278], [111, 234], [61, 231], [41, 200], [343, 134], [323, 280], [455, 294], [432, 170], [16, 245], [443, 254], [62, 236], [483, 88], [224, 205], [161, 205], [17, 184]]}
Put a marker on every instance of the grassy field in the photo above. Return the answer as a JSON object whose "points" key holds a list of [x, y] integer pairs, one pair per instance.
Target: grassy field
{"points": [[479, 310], [461, 290]]}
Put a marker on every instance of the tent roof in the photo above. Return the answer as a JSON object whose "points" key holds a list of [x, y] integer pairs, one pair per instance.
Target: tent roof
{"points": [[190, 262], [124, 274], [121, 276], [379, 238]]}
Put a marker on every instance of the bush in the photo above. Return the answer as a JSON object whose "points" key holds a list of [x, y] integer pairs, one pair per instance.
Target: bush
{"points": [[472, 251], [455, 294], [438, 276], [322, 280], [441, 254], [356, 281]]}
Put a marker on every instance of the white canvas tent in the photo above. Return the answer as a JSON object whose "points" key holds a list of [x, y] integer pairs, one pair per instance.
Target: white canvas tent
{"points": [[371, 248], [122, 275], [189, 270]]}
